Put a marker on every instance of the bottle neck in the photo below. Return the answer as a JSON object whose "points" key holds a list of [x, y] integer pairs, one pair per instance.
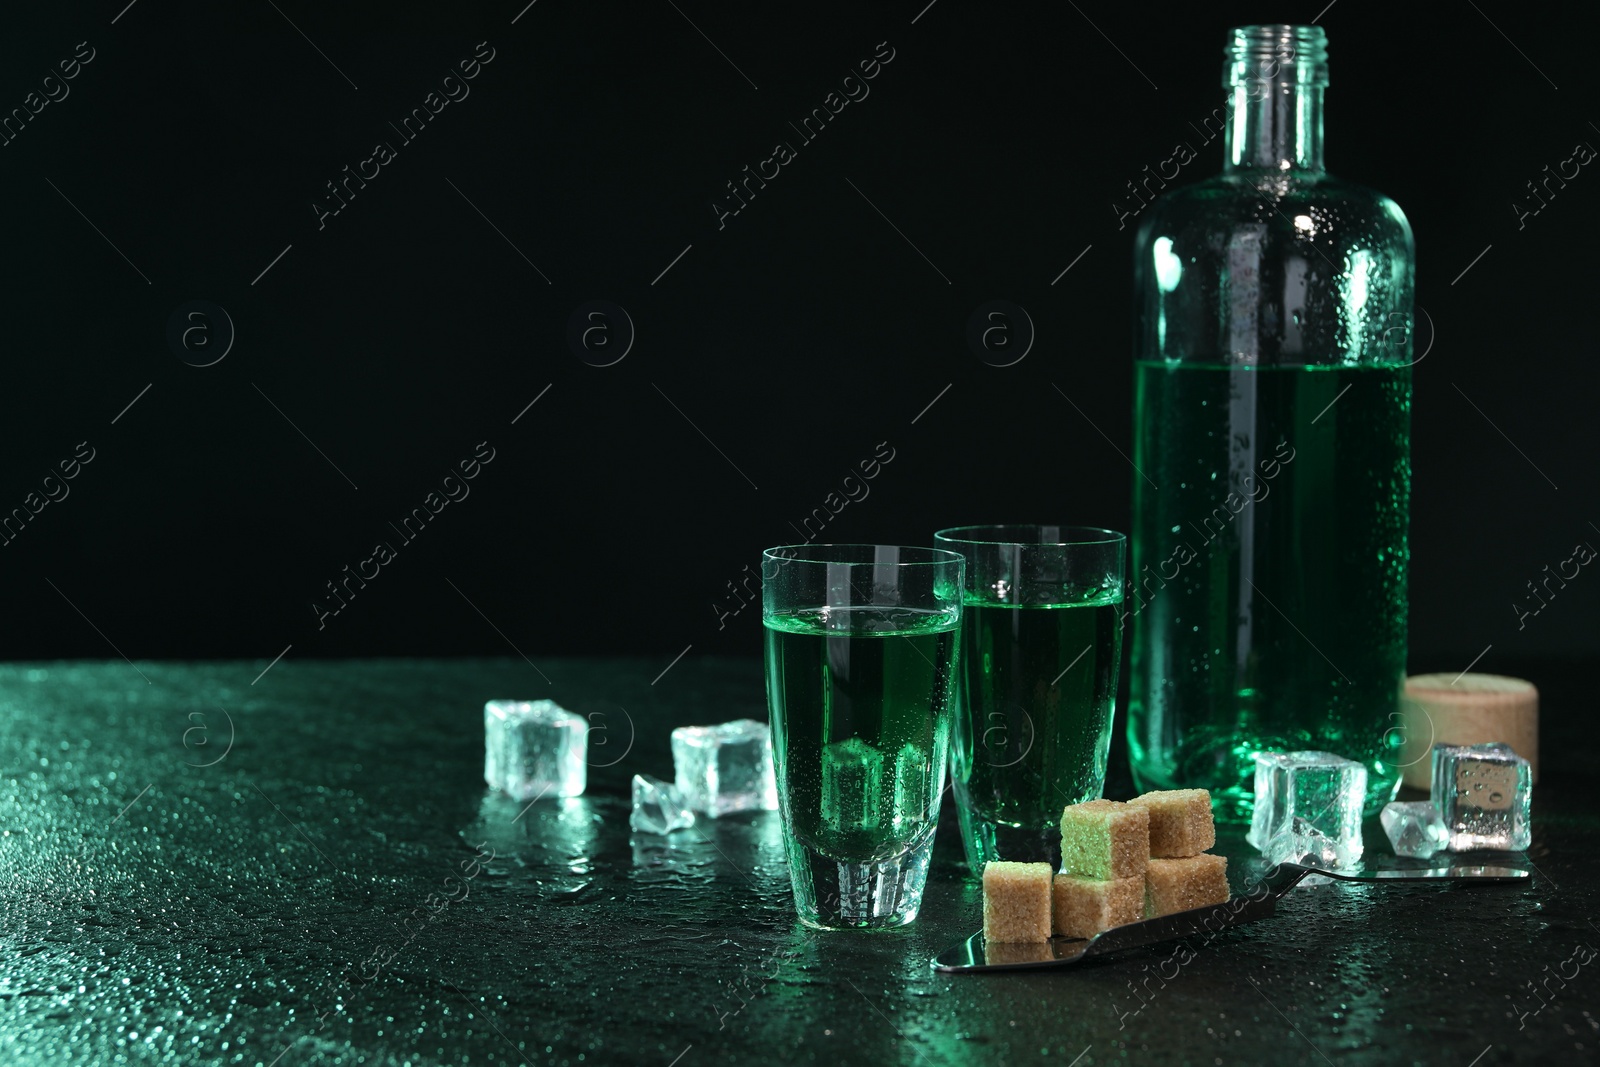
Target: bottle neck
{"points": [[1276, 128]]}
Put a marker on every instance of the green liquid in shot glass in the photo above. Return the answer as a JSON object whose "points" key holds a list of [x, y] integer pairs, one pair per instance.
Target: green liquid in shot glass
{"points": [[860, 701], [1039, 691]]}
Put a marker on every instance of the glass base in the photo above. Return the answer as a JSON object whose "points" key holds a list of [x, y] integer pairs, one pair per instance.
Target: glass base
{"points": [[831, 894], [986, 840]]}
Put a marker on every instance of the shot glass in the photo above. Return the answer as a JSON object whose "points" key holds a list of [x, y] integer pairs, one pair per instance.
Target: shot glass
{"points": [[1040, 644], [861, 676]]}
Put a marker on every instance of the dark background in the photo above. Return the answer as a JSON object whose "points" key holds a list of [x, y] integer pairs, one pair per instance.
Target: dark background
{"points": [[795, 339]]}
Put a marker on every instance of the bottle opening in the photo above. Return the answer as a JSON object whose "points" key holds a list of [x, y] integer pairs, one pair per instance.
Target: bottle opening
{"points": [[1277, 54]]}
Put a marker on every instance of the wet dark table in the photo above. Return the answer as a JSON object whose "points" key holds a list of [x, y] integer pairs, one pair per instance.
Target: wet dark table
{"points": [[199, 869]]}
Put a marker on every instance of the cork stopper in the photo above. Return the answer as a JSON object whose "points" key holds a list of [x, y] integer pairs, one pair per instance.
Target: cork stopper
{"points": [[1469, 709]]}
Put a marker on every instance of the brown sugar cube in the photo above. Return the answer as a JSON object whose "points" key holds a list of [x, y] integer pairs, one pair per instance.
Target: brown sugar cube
{"points": [[1105, 840], [1180, 884], [1082, 907], [1180, 822], [1016, 901], [1018, 952]]}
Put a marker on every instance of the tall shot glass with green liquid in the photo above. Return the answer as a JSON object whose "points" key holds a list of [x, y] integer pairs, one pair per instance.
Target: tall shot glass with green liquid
{"points": [[1041, 639], [861, 662]]}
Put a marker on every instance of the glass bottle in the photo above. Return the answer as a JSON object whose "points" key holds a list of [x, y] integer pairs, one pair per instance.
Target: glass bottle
{"points": [[1272, 410]]}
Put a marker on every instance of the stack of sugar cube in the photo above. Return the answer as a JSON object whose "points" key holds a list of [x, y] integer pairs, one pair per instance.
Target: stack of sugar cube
{"points": [[1120, 862], [1480, 798], [1181, 874]]}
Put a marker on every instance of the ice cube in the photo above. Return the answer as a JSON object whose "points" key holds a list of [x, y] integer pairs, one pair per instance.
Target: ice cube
{"points": [[658, 807], [1483, 793], [1307, 844], [1308, 808], [534, 749], [1268, 792], [725, 768], [911, 778], [1415, 828], [852, 786]]}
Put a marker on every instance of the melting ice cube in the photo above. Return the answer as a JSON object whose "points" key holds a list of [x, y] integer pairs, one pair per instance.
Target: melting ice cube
{"points": [[725, 768], [852, 785], [1308, 808], [658, 807], [534, 749], [1483, 793], [1415, 828], [912, 775]]}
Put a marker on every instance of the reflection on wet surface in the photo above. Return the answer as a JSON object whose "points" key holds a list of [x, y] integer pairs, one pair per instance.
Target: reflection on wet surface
{"points": [[341, 888]]}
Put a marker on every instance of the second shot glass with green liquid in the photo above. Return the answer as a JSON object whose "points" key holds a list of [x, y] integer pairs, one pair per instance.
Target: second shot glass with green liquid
{"points": [[1040, 646]]}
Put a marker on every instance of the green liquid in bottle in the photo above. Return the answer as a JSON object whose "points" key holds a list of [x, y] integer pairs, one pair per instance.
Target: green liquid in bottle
{"points": [[1269, 571]]}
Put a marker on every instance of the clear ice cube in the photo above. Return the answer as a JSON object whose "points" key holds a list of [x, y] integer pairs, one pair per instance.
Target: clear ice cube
{"points": [[1483, 793], [1308, 808], [911, 780], [1268, 788], [1308, 845], [1415, 828], [658, 807], [725, 768], [534, 749], [852, 786]]}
